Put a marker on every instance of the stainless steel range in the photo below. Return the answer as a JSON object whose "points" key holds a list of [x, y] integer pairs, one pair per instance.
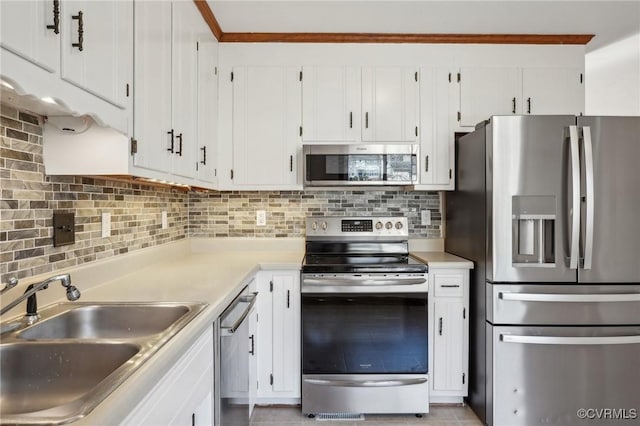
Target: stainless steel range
{"points": [[364, 318]]}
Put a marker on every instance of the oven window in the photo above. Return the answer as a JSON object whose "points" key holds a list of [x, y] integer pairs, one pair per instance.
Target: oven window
{"points": [[364, 334]]}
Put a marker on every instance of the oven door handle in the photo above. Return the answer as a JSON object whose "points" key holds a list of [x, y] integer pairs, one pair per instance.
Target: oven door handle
{"points": [[363, 281], [366, 383]]}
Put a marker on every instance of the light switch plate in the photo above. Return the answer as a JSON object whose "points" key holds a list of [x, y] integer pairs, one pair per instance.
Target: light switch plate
{"points": [[426, 217], [106, 225], [261, 218], [165, 220]]}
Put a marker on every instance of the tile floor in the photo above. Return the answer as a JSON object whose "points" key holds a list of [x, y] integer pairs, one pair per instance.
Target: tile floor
{"points": [[439, 416]]}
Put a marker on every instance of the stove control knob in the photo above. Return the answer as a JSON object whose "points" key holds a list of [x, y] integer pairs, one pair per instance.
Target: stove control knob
{"points": [[323, 225], [398, 225], [379, 225], [314, 226], [388, 225]]}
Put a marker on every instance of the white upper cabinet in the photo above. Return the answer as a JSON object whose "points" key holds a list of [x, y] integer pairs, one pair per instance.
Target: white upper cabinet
{"points": [[506, 91], [78, 54], [330, 104], [97, 51], [437, 109], [207, 94], [152, 89], [166, 77], [552, 91], [184, 87], [389, 104], [31, 29], [488, 91], [266, 120]]}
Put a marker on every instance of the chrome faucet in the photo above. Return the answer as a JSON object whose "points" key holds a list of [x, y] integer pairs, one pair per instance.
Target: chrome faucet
{"points": [[30, 294]]}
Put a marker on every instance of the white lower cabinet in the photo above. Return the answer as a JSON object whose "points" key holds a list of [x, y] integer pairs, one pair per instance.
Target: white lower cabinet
{"points": [[183, 396], [448, 334], [279, 329]]}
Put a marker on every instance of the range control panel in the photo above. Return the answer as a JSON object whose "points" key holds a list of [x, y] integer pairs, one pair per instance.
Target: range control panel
{"points": [[357, 227]]}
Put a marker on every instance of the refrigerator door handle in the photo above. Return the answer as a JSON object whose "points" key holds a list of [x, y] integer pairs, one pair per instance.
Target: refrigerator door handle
{"points": [[574, 252], [588, 162], [562, 340], [579, 298]]}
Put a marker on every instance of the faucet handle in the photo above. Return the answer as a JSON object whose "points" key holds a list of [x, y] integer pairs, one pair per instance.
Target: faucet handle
{"points": [[13, 281]]}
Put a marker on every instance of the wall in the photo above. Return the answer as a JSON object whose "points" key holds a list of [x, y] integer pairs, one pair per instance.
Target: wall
{"points": [[233, 213], [612, 84], [29, 198]]}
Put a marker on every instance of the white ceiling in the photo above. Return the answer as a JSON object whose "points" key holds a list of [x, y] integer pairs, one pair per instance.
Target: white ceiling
{"points": [[608, 20]]}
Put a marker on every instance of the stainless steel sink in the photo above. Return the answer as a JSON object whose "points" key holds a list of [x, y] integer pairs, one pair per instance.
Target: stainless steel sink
{"points": [[106, 322], [42, 376], [59, 369]]}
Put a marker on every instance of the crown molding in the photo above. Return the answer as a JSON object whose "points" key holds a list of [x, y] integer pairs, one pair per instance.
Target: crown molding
{"points": [[221, 36]]}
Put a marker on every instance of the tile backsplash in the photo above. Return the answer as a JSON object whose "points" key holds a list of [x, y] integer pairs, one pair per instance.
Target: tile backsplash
{"points": [[233, 213], [29, 197]]}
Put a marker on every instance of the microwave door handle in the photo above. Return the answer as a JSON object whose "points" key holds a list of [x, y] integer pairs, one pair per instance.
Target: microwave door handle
{"points": [[574, 243], [589, 199]]}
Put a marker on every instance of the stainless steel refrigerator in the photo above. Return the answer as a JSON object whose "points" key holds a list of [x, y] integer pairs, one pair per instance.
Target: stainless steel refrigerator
{"points": [[548, 208]]}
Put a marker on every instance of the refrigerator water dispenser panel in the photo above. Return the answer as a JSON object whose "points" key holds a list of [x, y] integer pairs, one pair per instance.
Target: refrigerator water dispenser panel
{"points": [[533, 231]]}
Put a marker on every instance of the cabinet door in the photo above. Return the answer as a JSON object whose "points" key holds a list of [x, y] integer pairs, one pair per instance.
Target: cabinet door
{"points": [[97, 47], [552, 91], [279, 331], [152, 88], [389, 104], [207, 93], [184, 86], [489, 91], [266, 121], [286, 333], [436, 141], [330, 104], [24, 30], [448, 362]]}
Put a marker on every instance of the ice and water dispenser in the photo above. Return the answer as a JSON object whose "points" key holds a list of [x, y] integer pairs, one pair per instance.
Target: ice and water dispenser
{"points": [[533, 231]]}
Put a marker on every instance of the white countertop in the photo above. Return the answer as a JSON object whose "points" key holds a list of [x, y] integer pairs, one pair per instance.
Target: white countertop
{"points": [[441, 260], [193, 270]]}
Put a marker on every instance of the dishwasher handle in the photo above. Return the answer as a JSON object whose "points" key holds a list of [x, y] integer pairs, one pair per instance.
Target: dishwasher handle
{"points": [[251, 300]]}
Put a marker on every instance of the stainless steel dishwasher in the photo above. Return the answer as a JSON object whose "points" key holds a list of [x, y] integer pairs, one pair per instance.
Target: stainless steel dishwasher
{"points": [[236, 345]]}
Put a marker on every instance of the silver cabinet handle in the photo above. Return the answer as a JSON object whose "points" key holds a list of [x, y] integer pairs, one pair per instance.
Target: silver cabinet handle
{"points": [[366, 383], [588, 162], [242, 299], [542, 297], [575, 204], [562, 340], [363, 281]]}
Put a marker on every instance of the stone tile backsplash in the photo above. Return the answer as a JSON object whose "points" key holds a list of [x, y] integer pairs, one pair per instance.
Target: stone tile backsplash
{"points": [[233, 213], [28, 199]]}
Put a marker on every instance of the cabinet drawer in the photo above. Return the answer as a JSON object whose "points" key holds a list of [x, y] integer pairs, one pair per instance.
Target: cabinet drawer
{"points": [[448, 285]]}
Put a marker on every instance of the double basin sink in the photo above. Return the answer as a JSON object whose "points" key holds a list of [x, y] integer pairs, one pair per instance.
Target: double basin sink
{"points": [[60, 368]]}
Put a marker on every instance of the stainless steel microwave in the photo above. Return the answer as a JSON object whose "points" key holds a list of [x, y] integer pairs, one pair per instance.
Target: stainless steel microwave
{"points": [[360, 165]]}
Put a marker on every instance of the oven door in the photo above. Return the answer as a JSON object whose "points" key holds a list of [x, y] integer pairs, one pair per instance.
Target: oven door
{"points": [[338, 165], [364, 333]]}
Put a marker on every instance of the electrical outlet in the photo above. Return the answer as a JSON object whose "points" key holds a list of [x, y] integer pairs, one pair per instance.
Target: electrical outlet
{"points": [[261, 218], [106, 225], [165, 220], [426, 217]]}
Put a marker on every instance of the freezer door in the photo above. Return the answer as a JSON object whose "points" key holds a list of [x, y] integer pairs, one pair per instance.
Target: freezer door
{"points": [[610, 197], [550, 304], [564, 376], [532, 167]]}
